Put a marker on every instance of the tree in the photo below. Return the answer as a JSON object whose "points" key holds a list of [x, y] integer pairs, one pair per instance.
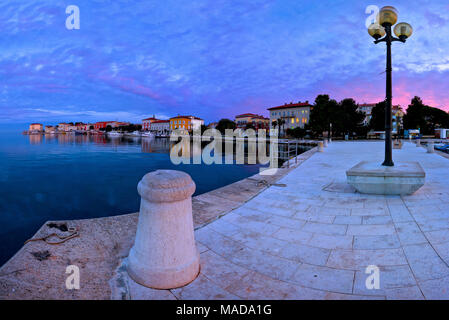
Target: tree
{"points": [[344, 117], [224, 124], [281, 123], [352, 119], [297, 132], [323, 114], [130, 128], [377, 122], [425, 118]]}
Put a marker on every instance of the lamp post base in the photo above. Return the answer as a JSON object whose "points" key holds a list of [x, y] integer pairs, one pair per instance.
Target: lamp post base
{"points": [[370, 178], [388, 163]]}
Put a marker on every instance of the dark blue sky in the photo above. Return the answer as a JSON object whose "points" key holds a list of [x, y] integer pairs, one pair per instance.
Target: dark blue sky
{"points": [[209, 58]]}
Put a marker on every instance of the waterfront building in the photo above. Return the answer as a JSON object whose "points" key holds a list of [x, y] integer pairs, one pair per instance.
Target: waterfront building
{"points": [[396, 112], [50, 129], [186, 122], [63, 127], [160, 126], [294, 114], [36, 127], [101, 124], [88, 126], [116, 124], [147, 122], [80, 126], [251, 119]]}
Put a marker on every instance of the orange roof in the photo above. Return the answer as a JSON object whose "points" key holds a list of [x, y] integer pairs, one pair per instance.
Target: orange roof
{"points": [[161, 121]]}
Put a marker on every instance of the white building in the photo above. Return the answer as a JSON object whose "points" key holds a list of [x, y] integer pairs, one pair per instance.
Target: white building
{"points": [[160, 126], [147, 122], [63, 127], [294, 114], [36, 127], [50, 129], [196, 123]]}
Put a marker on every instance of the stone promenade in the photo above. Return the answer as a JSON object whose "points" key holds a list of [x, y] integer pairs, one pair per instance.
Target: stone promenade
{"points": [[315, 237]]}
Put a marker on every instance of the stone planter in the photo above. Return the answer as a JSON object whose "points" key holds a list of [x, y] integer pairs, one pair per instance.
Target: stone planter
{"points": [[372, 178]]}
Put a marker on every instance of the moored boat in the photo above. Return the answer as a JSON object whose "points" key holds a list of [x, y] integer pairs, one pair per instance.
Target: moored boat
{"points": [[115, 134], [148, 134]]}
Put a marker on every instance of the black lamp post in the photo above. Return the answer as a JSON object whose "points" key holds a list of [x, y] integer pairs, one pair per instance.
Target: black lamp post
{"points": [[381, 32]]}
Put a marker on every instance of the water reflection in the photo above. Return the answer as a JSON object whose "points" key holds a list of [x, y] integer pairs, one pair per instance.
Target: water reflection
{"points": [[148, 145], [35, 139]]}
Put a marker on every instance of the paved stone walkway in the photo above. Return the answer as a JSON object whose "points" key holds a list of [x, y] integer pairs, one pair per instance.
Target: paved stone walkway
{"points": [[314, 238]]}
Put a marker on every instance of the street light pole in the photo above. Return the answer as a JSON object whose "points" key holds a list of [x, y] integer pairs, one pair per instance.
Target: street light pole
{"points": [[386, 18], [389, 96]]}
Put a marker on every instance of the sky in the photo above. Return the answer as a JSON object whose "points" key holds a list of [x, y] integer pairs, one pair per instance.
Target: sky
{"points": [[210, 58]]}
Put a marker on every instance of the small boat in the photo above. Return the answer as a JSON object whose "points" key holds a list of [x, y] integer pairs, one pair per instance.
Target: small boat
{"points": [[133, 134], [115, 134], [148, 134]]}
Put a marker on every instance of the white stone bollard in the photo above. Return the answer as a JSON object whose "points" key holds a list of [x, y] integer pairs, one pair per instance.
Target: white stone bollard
{"points": [[418, 142], [164, 255], [430, 148], [320, 146], [325, 143]]}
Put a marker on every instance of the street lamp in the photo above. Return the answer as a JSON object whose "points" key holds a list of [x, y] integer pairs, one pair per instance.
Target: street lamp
{"points": [[380, 30]]}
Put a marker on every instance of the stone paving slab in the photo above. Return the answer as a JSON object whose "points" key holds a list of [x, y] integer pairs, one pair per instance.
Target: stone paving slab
{"points": [[312, 239]]}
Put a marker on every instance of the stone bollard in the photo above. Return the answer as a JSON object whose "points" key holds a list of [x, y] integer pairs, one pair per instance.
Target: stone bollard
{"points": [[164, 255], [325, 143], [430, 148], [320, 146], [418, 142]]}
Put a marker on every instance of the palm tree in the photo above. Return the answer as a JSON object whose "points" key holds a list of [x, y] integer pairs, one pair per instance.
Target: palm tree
{"points": [[274, 123], [281, 122]]}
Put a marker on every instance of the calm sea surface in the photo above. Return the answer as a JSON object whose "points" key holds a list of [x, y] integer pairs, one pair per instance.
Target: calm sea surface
{"points": [[60, 177]]}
